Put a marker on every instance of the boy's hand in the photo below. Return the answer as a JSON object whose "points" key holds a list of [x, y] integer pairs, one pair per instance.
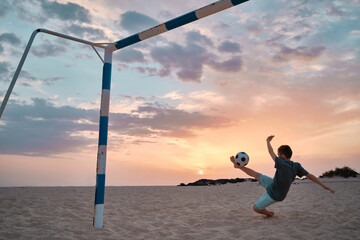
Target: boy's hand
{"points": [[332, 191], [232, 159], [270, 138]]}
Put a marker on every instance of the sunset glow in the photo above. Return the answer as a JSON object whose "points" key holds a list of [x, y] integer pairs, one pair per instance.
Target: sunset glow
{"points": [[183, 102]]}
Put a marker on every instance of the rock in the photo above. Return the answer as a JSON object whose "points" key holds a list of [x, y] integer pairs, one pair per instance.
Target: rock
{"points": [[210, 182]]}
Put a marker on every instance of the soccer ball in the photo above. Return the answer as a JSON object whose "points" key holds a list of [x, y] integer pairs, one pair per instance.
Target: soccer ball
{"points": [[241, 159]]}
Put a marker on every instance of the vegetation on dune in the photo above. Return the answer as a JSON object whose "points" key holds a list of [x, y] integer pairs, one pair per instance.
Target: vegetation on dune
{"points": [[340, 172]]}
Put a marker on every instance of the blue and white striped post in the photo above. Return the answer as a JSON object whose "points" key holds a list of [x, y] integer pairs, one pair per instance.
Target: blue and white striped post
{"points": [[103, 133], [177, 22]]}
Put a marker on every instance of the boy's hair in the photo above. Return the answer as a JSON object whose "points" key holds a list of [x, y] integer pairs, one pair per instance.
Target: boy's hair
{"points": [[286, 150]]}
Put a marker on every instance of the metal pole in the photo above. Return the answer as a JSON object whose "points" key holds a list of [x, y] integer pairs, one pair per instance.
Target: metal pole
{"points": [[27, 49], [100, 45], [103, 132], [17, 72], [177, 22]]}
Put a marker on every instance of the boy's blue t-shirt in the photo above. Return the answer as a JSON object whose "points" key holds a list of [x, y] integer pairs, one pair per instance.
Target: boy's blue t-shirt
{"points": [[284, 176]]}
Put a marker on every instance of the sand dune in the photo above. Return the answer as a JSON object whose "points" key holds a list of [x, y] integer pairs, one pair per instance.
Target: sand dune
{"points": [[209, 212]]}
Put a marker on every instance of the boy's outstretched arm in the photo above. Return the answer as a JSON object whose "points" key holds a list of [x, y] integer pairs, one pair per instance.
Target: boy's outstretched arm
{"points": [[246, 170], [316, 180], [270, 149]]}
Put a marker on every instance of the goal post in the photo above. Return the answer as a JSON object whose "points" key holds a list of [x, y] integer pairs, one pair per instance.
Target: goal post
{"points": [[109, 48]]}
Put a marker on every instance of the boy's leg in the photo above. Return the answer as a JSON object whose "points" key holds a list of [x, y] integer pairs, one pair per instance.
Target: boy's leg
{"points": [[250, 172], [262, 203], [265, 200]]}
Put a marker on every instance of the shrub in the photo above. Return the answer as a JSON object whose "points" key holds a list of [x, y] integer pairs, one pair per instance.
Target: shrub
{"points": [[340, 172]]}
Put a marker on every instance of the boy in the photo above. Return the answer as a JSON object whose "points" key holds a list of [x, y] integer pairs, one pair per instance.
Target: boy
{"points": [[278, 187]]}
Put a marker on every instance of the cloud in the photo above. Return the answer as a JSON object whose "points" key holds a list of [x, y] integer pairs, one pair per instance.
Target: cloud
{"points": [[48, 49], [174, 95], [129, 55], [153, 119], [254, 28], [4, 71], [42, 129], [334, 10], [27, 79], [304, 54], [139, 142], [221, 26], [232, 65], [230, 47], [29, 11], [68, 11], [203, 101], [4, 8], [186, 61], [134, 22], [8, 38], [149, 70], [355, 33], [86, 32], [189, 60], [197, 37], [303, 9], [41, 11]]}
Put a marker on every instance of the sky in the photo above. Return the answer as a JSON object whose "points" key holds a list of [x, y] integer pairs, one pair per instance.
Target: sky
{"points": [[184, 101]]}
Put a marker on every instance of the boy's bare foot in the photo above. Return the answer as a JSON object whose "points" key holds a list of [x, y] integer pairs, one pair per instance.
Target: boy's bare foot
{"points": [[270, 214], [265, 212]]}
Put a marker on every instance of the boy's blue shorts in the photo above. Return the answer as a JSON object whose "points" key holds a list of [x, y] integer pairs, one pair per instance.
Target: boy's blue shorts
{"points": [[265, 200]]}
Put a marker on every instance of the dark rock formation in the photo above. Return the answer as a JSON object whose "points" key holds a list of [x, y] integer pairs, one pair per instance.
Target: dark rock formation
{"points": [[209, 182]]}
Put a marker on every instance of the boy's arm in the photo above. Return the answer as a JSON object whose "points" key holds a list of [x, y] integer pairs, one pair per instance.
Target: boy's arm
{"points": [[270, 149], [316, 180]]}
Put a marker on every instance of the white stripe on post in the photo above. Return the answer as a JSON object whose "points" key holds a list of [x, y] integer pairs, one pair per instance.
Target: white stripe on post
{"points": [[101, 158], [213, 8], [105, 99], [98, 215], [152, 32]]}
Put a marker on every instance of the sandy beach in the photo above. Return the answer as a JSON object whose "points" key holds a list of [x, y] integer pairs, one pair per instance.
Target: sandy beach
{"points": [[208, 212]]}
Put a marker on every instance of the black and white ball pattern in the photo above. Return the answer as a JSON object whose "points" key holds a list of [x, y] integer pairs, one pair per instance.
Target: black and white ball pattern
{"points": [[242, 159]]}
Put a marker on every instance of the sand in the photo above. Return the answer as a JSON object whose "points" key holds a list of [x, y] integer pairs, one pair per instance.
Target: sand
{"points": [[209, 212]]}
